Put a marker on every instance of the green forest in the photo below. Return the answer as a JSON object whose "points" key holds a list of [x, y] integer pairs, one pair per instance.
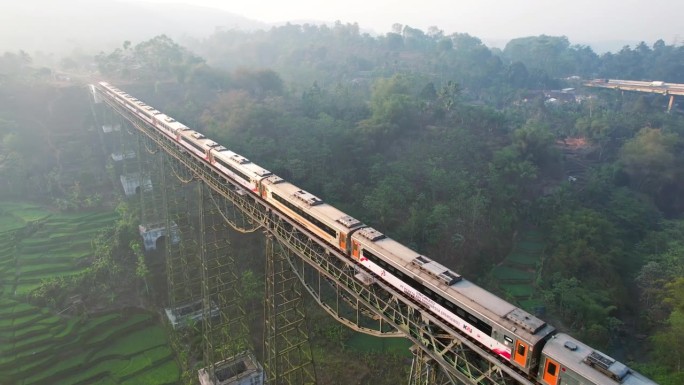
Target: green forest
{"points": [[498, 163]]}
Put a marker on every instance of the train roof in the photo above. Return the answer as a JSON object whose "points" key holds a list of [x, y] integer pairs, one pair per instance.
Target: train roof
{"points": [[591, 364], [242, 163], [171, 122], [460, 290], [332, 216]]}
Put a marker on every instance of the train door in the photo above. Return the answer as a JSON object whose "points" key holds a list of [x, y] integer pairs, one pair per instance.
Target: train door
{"points": [[343, 241], [355, 249], [551, 372], [521, 350]]}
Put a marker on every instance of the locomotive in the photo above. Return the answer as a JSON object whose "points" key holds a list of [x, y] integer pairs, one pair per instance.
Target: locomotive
{"points": [[516, 337]]}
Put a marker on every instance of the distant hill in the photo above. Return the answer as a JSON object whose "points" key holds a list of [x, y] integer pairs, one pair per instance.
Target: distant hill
{"points": [[62, 26]]}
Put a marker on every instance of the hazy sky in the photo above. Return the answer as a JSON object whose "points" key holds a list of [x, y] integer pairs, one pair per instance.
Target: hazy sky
{"points": [[581, 20]]}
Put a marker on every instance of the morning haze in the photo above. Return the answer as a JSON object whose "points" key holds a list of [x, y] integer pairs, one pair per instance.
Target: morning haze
{"points": [[497, 187], [51, 26]]}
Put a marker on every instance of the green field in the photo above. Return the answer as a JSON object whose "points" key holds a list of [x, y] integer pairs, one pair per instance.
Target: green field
{"points": [[38, 346], [511, 274], [517, 273], [39, 245], [14, 216]]}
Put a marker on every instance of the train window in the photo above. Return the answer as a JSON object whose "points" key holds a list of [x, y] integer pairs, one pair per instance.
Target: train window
{"points": [[521, 349], [194, 145], [233, 169], [551, 368], [370, 255]]}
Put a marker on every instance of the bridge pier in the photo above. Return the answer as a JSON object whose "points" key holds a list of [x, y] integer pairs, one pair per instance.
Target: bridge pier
{"points": [[118, 156], [151, 232], [134, 183], [669, 105], [109, 128], [241, 369], [183, 315]]}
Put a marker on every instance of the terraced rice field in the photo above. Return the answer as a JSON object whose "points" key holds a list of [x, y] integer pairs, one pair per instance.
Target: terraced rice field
{"points": [[55, 245], [14, 216], [517, 273], [39, 347]]}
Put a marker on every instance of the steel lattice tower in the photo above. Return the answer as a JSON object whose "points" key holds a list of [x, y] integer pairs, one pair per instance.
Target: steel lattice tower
{"points": [[288, 358], [224, 332]]}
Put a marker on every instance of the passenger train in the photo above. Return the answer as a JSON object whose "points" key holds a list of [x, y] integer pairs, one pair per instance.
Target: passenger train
{"points": [[519, 339]]}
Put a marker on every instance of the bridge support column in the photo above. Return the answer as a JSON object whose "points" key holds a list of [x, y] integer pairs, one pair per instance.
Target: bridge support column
{"points": [[288, 358], [225, 335], [669, 105], [179, 202]]}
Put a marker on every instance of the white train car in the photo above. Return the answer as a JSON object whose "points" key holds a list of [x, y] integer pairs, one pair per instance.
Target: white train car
{"points": [[322, 219], [238, 168], [497, 325], [197, 144], [169, 126]]}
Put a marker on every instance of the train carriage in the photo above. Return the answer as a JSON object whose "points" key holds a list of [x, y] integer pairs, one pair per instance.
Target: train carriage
{"points": [[247, 174], [170, 126], [497, 325], [322, 219], [197, 143], [567, 361]]}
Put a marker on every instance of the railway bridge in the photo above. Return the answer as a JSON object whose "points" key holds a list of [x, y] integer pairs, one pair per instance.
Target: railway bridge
{"points": [[187, 210]]}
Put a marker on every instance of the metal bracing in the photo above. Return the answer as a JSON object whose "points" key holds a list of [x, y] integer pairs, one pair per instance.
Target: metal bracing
{"points": [[288, 358], [426, 371], [224, 329], [321, 269], [182, 257], [148, 157]]}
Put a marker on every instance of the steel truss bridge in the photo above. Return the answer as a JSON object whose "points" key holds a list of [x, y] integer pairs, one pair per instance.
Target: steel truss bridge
{"points": [[195, 208]]}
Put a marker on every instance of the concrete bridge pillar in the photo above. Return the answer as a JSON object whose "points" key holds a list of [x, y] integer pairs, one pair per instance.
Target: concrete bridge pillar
{"points": [[133, 183], [153, 231]]}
